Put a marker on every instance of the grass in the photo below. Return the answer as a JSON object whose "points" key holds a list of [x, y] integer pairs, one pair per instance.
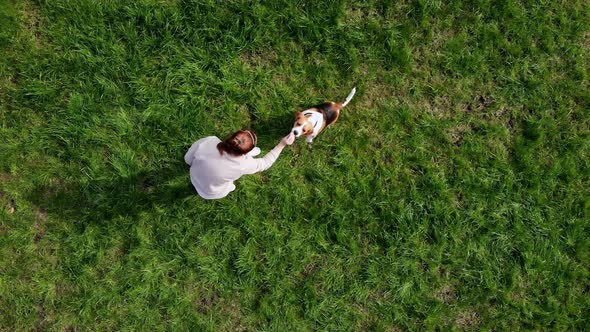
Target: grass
{"points": [[453, 193]]}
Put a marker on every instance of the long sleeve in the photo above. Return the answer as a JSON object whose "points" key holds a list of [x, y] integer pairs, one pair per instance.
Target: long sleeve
{"points": [[190, 154], [255, 165]]}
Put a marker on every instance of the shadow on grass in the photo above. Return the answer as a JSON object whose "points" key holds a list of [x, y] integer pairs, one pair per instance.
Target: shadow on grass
{"points": [[101, 200], [274, 128]]}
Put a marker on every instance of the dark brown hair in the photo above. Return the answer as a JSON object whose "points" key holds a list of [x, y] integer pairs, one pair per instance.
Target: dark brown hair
{"points": [[239, 143]]}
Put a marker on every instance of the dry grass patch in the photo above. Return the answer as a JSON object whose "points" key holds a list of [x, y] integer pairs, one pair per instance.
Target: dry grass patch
{"points": [[393, 328], [467, 319], [308, 269], [446, 295], [163, 2], [43, 319], [426, 53], [39, 225], [518, 294], [456, 134], [267, 60], [262, 59], [231, 310], [586, 40], [8, 82], [31, 21], [365, 316], [479, 104], [439, 106], [206, 302], [361, 15], [8, 203], [374, 94]]}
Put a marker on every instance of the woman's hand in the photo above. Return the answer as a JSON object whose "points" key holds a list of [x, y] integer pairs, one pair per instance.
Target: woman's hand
{"points": [[289, 139]]}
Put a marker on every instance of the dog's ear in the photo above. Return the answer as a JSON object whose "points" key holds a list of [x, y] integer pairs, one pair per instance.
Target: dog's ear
{"points": [[298, 114]]}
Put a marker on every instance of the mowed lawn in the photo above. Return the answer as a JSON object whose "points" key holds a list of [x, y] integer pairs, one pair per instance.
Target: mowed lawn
{"points": [[452, 194]]}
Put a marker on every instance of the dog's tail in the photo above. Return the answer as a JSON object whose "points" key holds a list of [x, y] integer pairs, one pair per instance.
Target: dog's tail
{"points": [[349, 97]]}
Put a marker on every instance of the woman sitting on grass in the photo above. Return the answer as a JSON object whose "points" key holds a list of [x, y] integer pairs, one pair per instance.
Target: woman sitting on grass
{"points": [[216, 164]]}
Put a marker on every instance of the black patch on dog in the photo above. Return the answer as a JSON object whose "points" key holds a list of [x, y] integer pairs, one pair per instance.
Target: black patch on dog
{"points": [[330, 111]]}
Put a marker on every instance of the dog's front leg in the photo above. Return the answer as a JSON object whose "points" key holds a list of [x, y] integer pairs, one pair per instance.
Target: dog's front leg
{"points": [[309, 139]]}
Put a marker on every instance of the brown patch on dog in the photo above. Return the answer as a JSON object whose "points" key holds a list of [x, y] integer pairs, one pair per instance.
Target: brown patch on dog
{"points": [[467, 319], [300, 119], [307, 129]]}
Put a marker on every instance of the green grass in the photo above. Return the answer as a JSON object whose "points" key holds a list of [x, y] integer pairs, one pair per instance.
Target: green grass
{"points": [[453, 193]]}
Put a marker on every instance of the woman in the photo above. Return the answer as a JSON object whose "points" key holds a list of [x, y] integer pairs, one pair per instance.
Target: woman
{"points": [[216, 164]]}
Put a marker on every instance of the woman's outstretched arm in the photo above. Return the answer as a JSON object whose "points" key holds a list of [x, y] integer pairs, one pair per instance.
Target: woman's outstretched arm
{"points": [[255, 165]]}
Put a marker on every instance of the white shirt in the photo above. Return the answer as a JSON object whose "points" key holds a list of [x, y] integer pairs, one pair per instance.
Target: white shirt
{"points": [[213, 174]]}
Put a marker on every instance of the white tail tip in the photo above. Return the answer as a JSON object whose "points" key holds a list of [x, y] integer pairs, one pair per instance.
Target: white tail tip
{"points": [[349, 97]]}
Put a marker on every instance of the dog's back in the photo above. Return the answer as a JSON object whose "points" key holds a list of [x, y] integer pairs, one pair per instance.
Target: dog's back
{"points": [[331, 109]]}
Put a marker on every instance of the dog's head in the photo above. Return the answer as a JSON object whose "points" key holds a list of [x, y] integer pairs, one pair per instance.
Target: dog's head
{"points": [[303, 125]]}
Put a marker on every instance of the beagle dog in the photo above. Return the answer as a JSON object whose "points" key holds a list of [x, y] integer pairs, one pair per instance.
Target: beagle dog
{"points": [[312, 121]]}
